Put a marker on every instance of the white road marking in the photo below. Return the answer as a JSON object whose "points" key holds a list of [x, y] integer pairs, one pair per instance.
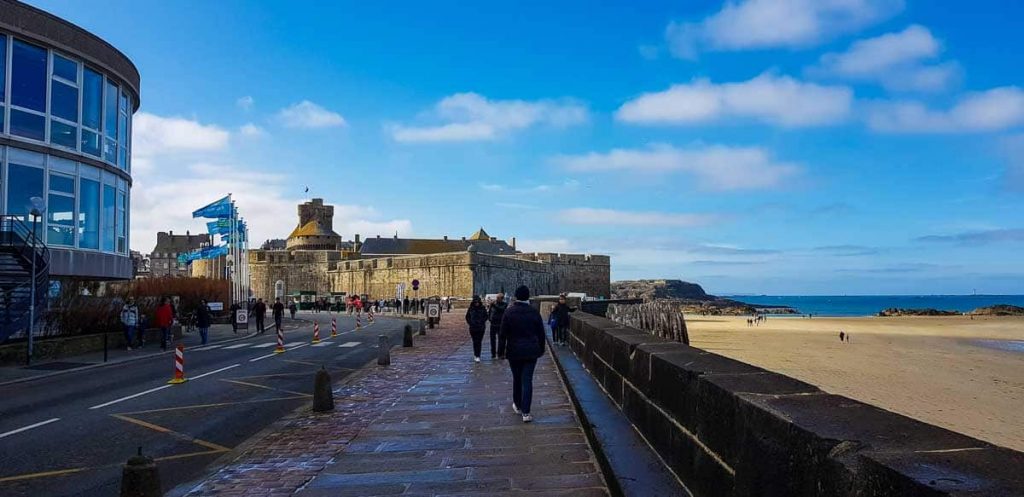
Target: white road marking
{"points": [[209, 347], [214, 371], [260, 358], [298, 346], [29, 427], [122, 399], [237, 346], [350, 344], [264, 345], [321, 344]]}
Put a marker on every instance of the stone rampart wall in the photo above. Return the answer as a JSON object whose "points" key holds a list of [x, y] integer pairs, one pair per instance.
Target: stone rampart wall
{"points": [[727, 428]]}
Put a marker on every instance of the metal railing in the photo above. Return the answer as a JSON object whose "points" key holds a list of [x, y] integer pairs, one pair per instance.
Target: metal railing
{"points": [[19, 240]]}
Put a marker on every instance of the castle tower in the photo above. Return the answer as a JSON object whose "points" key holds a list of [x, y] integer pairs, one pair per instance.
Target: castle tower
{"points": [[316, 228]]}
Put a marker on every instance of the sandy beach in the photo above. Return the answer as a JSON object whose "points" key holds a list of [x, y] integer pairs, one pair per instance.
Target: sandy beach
{"points": [[936, 369]]}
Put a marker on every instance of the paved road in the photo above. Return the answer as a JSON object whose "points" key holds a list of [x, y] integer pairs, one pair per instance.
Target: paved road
{"points": [[68, 435]]}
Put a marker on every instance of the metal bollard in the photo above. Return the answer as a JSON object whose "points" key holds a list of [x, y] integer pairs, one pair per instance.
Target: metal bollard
{"points": [[323, 398], [140, 477], [423, 327], [383, 351], [407, 336]]}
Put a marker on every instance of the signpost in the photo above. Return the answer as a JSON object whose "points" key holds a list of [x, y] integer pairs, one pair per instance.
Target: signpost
{"points": [[242, 318], [416, 287], [216, 306], [433, 312]]}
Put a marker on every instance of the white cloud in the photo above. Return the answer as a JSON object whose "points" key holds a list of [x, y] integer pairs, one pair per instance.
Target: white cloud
{"points": [[897, 61], [761, 24], [567, 185], [473, 117], [306, 114], [252, 131], [245, 103], [583, 215], [154, 136], [715, 167], [992, 110], [779, 100]]}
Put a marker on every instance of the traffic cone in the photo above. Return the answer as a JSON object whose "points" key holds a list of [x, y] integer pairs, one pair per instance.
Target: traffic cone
{"points": [[359, 322], [280, 342], [334, 327], [316, 332], [179, 366]]}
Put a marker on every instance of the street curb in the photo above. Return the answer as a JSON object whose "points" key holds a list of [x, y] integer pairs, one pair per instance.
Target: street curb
{"points": [[126, 361]]}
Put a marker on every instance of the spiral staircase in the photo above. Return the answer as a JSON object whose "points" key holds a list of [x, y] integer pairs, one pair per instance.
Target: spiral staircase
{"points": [[19, 247]]}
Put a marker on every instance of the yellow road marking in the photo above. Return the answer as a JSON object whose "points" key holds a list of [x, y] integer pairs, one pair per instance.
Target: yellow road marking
{"points": [[219, 404], [161, 429], [59, 472], [290, 374], [257, 385], [190, 454]]}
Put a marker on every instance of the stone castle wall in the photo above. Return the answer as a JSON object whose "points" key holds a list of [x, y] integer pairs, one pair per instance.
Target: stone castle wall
{"points": [[300, 270], [439, 274]]}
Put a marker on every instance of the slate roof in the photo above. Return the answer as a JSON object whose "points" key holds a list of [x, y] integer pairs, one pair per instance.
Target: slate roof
{"points": [[416, 246], [167, 242], [312, 228]]}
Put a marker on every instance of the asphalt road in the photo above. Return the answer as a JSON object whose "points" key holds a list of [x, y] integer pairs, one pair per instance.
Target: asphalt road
{"points": [[68, 435]]}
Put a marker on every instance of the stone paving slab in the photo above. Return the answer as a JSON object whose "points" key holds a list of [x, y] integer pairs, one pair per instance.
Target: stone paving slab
{"points": [[432, 424]]}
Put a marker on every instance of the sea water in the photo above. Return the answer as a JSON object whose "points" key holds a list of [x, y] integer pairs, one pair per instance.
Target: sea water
{"points": [[869, 305]]}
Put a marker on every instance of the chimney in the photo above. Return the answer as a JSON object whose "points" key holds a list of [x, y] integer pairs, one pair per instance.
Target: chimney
{"points": [[446, 238], [357, 238], [378, 237], [170, 233], [463, 238], [187, 233], [513, 243]]}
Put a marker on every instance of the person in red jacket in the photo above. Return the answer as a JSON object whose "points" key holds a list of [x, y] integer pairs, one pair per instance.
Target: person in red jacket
{"points": [[164, 320]]}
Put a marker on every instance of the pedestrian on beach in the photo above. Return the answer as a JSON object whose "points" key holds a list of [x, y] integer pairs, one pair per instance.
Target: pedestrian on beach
{"points": [[495, 313], [164, 318], [292, 308], [278, 313], [130, 320], [842, 336], [203, 320], [560, 315], [522, 332], [476, 317], [259, 311]]}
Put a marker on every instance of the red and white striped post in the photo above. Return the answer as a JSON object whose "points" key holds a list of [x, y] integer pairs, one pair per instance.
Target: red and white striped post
{"points": [[280, 342], [334, 327], [179, 366], [369, 316], [316, 332], [359, 322]]}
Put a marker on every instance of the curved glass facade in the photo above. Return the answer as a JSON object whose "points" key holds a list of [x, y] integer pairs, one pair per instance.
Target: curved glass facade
{"points": [[53, 101]]}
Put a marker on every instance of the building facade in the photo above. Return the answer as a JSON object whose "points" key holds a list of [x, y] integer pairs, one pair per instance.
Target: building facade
{"points": [[66, 103], [476, 265], [163, 261]]}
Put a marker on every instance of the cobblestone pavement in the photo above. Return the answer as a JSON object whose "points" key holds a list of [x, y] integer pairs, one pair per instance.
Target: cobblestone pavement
{"points": [[433, 423]]}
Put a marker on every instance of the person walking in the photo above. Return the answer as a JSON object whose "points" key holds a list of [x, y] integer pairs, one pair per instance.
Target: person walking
{"points": [[203, 320], [522, 332], [130, 320], [292, 308], [259, 311], [476, 317], [278, 313], [234, 317], [164, 319], [496, 312], [560, 316]]}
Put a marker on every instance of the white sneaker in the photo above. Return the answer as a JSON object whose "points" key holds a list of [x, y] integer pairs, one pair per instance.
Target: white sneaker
{"points": [[476, 359], [527, 418], [515, 408]]}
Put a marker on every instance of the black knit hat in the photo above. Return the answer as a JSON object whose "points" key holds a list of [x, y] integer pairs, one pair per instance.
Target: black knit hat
{"points": [[522, 293]]}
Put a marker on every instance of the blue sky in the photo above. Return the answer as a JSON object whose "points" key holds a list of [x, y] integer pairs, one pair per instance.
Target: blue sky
{"points": [[754, 146]]}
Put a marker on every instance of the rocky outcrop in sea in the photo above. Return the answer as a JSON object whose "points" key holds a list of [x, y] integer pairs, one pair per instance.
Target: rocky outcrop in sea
{"points": [[692, 298]]}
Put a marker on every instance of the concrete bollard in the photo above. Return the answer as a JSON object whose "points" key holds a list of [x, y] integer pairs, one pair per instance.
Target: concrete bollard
{"points": [[407, 336], [423, 327], [383, 351], [140, 477], [323, 398]]}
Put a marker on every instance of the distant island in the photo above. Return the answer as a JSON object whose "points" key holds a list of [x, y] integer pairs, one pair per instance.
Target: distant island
{"points": [[992, 310], [692, 297]]}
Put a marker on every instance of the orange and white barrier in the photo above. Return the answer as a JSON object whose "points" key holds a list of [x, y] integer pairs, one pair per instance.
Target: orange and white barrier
{"points": [[334, 327], [280, 342], [369, 316], [316, 332], [179, 366], [359, 322]]}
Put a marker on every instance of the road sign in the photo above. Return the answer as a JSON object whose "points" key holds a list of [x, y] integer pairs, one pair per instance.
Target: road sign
{"points": [[416, 285], [242, 318], [216, 306], [434, 310]]}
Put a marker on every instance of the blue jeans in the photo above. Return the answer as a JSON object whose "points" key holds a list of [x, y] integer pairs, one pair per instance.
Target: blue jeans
{"points": [[205, 334], [522, 382], [129, 334], [165, 336]]}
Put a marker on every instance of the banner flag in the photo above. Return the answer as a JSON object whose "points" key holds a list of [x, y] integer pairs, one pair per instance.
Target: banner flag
{"points": [[219, 226], [219, 209]]}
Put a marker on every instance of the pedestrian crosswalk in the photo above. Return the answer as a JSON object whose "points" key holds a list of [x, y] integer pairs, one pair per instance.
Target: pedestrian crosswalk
{"points": [[257, 345]]}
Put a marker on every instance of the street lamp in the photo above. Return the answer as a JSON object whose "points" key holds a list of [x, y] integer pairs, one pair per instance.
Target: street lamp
{"points": [[38, 208]]}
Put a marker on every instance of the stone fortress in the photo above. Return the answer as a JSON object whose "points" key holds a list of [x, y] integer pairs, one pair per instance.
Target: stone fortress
{"points": [[316, 259]]}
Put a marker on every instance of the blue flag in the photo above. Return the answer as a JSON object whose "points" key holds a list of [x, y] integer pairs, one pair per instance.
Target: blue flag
{"points": [[219, 209], [219, 226], [213, 252]]}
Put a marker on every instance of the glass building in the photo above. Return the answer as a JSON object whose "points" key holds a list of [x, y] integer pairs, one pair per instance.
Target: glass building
{"points": [[66, 103]]}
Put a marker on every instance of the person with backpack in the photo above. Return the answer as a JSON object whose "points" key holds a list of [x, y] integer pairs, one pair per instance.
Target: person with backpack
{"points": [[560, 321], [292, 308], [203, 320], [476, 317], [164, 319], [496, 312], [130, 320], [522, 331]]}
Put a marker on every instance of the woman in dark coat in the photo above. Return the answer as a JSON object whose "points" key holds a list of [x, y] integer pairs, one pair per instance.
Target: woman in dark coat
{"points": [[522, 334], [476, 316], [560, 316], [203, 321]]}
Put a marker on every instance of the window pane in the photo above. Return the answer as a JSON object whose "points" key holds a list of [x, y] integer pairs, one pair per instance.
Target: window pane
{"points": [[63, 184], [28, 76], [65, 68], [124, 102], [122, 223], [63, 134], [64, 101], [89, 214], [92, 99], [122, 158], [110, 111], [122, 128], [109, 150], [109, 218], [23, 183], [60, 215], [28, 125], [3, 74], [90, 143]]}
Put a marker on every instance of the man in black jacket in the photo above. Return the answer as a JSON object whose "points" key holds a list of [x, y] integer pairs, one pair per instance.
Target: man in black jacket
{"points": [[522, 331], [259, 311], [496, 312], [278, 313]]}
